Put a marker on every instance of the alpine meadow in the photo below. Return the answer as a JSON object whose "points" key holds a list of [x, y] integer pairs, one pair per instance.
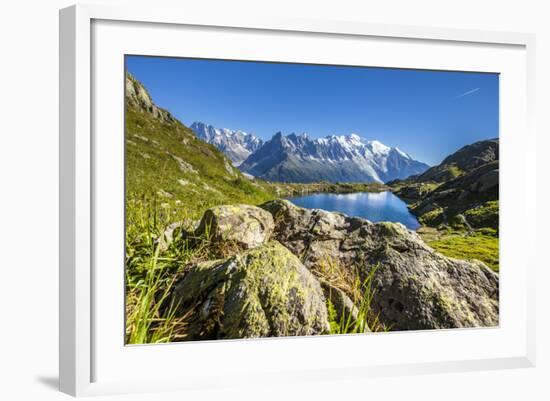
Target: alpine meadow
{"points": [[273, 199]]}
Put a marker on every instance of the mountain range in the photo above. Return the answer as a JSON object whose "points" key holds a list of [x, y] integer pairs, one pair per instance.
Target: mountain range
{"points": [[237, 145], [300, 158]]}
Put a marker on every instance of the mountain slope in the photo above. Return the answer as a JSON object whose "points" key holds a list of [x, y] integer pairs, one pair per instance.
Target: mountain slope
{"points": [[466, 183], [167, 163], [236, 145], [298, 158]]}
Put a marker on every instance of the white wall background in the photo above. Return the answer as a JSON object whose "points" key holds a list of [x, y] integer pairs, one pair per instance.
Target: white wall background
{"points": [[29, 214]]}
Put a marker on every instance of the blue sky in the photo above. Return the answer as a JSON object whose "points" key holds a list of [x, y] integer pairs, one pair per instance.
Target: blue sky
{"points": [[428, 114]]}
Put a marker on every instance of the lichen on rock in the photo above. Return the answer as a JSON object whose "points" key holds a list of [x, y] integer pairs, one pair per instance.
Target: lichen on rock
{"points": [[262, 292], [243, 225]]}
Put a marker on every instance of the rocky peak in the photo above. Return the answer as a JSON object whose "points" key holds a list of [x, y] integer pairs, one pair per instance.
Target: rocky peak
{"points": [[464, 160], [472, 156]]}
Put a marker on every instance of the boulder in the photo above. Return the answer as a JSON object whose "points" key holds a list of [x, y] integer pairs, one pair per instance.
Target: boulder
{"points": [[261, 292], [415, 287], [241, 225]]}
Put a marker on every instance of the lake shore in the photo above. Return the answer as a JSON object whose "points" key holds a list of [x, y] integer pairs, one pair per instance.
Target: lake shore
{"points": [[286, 190]]}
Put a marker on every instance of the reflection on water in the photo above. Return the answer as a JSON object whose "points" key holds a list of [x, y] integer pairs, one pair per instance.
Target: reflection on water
{"points": [[373, 206]]}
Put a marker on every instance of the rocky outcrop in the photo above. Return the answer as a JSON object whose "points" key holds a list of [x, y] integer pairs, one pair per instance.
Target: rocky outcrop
{"points": [[242, 225], [271, 286], [137, 96], [460, 195], [464, 181], [262, 292], [464, 160], [415, 287]]}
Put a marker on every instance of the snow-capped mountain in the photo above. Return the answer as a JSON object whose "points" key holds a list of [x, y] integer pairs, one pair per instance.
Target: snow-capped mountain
{"points": [[236, 145], [299, 158]]}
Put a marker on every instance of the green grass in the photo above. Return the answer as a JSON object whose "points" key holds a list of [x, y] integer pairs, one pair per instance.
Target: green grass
{"points": [[360, 291], [149, 276], [153, 264], [366, 319], [426, 187], [454, 170], [146, 321], [482, 245], [432, 218], [485, 215]]}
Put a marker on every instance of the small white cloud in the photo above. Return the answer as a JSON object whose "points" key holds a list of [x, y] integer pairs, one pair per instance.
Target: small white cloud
{"points": [[468, 92]]}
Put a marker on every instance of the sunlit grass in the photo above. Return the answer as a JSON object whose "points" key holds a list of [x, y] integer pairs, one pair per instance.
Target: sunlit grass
{"points": [[479, 245], [360, 291]]}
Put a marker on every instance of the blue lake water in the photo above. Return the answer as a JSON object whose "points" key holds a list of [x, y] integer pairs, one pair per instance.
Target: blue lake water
{"points": [[373, 206]]}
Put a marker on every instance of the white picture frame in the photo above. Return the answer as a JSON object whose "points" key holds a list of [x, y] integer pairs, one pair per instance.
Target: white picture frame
{"points": [[88, 362]]}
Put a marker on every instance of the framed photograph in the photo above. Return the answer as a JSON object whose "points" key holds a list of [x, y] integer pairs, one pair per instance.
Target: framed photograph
{"points": [[290, 199]]}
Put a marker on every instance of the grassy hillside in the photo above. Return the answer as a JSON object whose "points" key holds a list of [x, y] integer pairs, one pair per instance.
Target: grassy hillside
{"points": [[457, 202], [166, 163]]}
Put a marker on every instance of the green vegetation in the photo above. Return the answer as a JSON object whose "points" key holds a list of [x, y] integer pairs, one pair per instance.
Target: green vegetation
{"points": [[481, 245], [454, 171], [150, 274], [485, 215], [411, 192], [432, 218], [153, 263], [426, 187], [168, 167], [294, 189], [347, 279]]}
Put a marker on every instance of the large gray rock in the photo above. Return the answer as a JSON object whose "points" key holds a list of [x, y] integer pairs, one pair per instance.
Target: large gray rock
{"points": [[242, 225], [415, 287], [262, 292]]}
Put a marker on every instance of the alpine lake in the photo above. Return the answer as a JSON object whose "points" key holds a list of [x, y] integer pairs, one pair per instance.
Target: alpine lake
{"points": [[373, 206]]}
